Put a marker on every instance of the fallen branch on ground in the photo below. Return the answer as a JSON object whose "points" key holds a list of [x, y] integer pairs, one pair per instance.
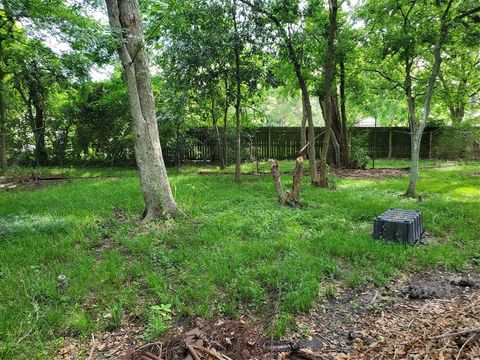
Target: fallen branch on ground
{"points": [[192, 352], [458, 333], [212, 352]]}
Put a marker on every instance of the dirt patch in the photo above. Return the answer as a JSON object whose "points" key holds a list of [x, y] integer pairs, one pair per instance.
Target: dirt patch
{"points": [[372, 174], [34, 181], [223, 339], [433, 315], [105, 345], [9, 183], [397, 321]]}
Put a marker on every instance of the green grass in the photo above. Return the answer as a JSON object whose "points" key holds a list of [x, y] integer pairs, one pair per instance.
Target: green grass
{"points": [[235, 252], [404, 163]]}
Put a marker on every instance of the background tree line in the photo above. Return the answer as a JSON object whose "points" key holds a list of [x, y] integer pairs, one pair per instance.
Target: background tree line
{"points": [[227, 64]]}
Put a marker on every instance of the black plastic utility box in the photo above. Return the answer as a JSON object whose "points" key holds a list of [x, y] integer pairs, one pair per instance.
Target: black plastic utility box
{"points": [[403, 226]]}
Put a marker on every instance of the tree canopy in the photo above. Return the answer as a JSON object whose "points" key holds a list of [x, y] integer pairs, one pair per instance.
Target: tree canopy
{"points": [[270, 55]]}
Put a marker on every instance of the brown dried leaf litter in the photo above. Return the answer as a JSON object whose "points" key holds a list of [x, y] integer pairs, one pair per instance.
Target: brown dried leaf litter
{"points": [[422, 330], [396, 328]]}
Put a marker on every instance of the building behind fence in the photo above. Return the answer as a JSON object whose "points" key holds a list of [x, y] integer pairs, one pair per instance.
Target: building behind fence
{"points": [[284, 143]]}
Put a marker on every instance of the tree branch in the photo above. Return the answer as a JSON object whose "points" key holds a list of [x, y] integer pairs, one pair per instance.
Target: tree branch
{"points": [[396, 84], [467, 13]]}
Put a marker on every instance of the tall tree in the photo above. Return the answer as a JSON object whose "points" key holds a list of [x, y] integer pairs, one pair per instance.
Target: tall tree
{"points": [[329, 90], [238, 96], [7, 34], [27, 22], [460, 75], [196, 59], [36, 69], [3, 128], [289, 8], [409, 49], [127, 26]]}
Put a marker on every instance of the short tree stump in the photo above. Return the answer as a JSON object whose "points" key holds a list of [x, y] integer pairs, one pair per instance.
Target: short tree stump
{"points": [[402, 226]]}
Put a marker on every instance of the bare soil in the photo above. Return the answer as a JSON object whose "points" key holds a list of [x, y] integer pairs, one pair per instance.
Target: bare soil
{"points": [[348, 173], [431, 315], [373, 174], [34, 181], [10, 183]]}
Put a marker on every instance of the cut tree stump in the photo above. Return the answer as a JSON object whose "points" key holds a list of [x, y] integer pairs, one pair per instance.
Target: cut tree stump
{"points": [[286, 197]]}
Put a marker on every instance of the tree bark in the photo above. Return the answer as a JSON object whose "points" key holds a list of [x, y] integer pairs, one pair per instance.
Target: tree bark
{"points": [[38, 126], [3, 128], [307, 117], [225, 118], [329, 74], [344, 145], [286, 197], [336, 124], [238, 100], [457, 113], [455, 103], [417, 130], [336, 147], [218, 150], [126, 23]]}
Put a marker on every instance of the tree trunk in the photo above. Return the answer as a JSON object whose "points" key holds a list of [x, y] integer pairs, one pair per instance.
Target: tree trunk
{"points": [[417, 131], [336, 147], [218, 150], [238, 157], [457, 113], [344, 145], [329, 74], [455, 104], [39, 127], [303, 123], [336, 124], [225, 118], [126, 23], [311, 133], [415, 154], [3, 128], [307, 118], [286, 197]]}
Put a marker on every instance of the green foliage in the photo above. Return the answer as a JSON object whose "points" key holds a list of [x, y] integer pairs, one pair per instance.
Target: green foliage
{"points": [[78, 322], [330, 291], [115, 316], [359, 152], [332, 181], [158, 322], [403, 42], [284, 323]]}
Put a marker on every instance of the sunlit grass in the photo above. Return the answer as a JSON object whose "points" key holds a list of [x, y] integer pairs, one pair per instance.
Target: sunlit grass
{"points": [[235, 252]]}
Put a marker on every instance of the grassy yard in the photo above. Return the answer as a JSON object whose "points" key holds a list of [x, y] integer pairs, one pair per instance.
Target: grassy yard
{"points": [[235, 252]]}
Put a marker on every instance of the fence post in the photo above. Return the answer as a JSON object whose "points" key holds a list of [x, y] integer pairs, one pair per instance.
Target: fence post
{"points": [[269, 143], [256, 149], [430, 145], [390, 139], [374, 143]]}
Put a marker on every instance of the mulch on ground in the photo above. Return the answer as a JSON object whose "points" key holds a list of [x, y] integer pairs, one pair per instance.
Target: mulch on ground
{"points": [[34, 181], [415, 318], [373, 174], [433, 315], [348, 173]]}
